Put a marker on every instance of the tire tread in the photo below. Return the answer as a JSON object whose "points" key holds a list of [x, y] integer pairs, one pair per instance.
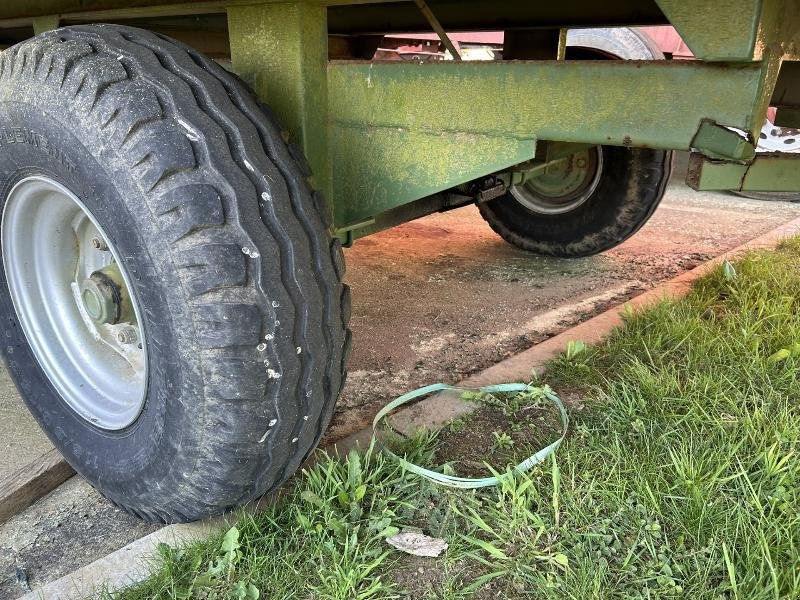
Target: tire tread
{"points": [[144, 89]]}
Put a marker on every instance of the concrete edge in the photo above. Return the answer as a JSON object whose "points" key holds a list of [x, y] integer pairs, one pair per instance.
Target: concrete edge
{"points": [[129, 564], [35, 480]]}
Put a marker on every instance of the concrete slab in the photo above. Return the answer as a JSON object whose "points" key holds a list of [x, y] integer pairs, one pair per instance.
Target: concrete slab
{"points": [[64, 531]]}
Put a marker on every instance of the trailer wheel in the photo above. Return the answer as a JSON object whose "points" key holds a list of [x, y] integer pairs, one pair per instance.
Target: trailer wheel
{"points": [[171, 299], [583, 205], [597, 198]]}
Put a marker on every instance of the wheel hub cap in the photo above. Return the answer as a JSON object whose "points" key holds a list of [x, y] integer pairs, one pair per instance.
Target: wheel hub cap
{"points": [[563, 186]]}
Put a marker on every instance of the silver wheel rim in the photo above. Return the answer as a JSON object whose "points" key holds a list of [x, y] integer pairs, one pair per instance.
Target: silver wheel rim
{"points": [[53, 249], [544, 200], [778, 139]]}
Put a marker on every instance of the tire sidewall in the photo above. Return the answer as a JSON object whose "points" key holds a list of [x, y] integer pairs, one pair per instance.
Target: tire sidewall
{"points": [[33, 142], [254, 341]]}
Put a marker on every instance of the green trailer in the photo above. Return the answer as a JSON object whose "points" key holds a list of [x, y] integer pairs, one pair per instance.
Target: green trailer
{"points": [[177, 181]]}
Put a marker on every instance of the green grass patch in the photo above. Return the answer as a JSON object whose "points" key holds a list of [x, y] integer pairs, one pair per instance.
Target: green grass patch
{"points": [[680, 478]]}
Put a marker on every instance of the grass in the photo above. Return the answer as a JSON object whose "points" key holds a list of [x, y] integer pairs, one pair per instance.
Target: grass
{"points": [[680, 478]]}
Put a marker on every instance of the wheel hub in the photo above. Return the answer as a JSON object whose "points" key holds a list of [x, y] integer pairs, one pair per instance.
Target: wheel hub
{"points": [[100, 299], [104, 296], [73, 300], [563, 186]]}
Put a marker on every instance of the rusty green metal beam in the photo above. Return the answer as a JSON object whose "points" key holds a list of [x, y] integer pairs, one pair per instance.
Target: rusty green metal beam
{"points": [[379, 168], [380, 136], [715, 141], [778, 40], [766, 173], [42, 24], [372, 15], [402, 131], [656, 104], [281, 50]]}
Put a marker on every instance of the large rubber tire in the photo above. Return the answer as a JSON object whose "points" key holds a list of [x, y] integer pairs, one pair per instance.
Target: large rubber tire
{"points": [[631, 185], [229, 254], [623, 43]]}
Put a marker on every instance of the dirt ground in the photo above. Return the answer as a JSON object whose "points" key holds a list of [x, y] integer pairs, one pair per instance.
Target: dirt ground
{"points": [[443, 297], [433, 300]]}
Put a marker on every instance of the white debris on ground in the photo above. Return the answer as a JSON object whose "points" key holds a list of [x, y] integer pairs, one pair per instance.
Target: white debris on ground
{"points": [[417, 544]]}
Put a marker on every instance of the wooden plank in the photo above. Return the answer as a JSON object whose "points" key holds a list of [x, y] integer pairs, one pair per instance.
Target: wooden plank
{"points": [[36, 479]]}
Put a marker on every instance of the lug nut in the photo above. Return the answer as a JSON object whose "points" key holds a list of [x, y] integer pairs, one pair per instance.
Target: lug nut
{"points": [[127, 336]]}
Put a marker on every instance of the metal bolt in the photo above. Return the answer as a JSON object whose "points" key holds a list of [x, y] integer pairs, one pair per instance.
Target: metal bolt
{"points": [[128, 335], [99, 244]]}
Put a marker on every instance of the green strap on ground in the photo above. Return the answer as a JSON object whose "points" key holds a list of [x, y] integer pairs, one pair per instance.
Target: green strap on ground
{"points": [[465, 482]]}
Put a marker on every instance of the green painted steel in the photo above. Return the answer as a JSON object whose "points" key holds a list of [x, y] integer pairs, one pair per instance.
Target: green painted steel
{"points": [[780, 173], [766, 173], [46, 23], [720, 142], [378, 168], [708, 174], [778, 40], [714, 30], [362, 16], [401, 131], [381, 137], [281, 50]]}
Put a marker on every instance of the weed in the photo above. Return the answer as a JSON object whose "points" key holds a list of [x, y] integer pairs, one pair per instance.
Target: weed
{"points": [[502, 441], [460, 424]]}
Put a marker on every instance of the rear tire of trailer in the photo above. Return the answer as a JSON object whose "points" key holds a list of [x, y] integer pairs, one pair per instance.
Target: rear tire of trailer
{"points": [[145, 194], [580, 209], [570, 216]]}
